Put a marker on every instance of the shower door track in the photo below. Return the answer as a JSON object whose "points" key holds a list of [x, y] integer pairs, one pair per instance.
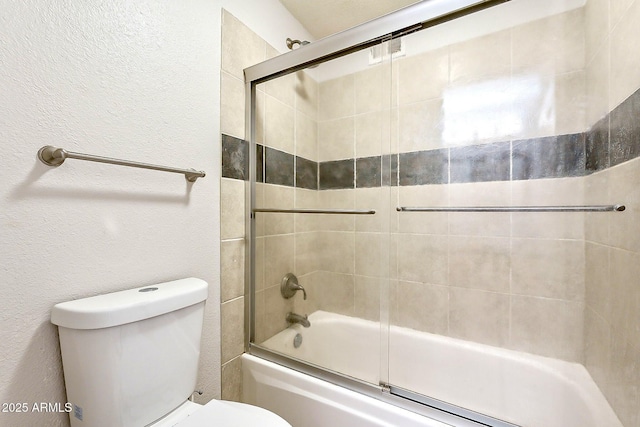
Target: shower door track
{"points": [[405, 399], [449, 408]]}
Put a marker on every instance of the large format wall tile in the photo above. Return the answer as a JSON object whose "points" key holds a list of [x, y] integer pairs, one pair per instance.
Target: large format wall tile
{"points": [[232, 329], [235, 34], [231, 269], [480, 263], [547, 327], [279, 125], [421, 306], [419, 83], [423, 258], [468, 60], [625, 57], [553, 45], [336, 98], [548, 268], [336, 139], [549, 192], [479, 316]]}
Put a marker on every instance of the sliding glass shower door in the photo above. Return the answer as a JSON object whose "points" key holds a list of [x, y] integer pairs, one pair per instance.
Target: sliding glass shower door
{"points": [[321, 212], [437, 215]]}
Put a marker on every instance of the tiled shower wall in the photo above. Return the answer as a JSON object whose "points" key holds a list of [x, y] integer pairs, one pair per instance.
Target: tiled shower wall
{"points": [[510, 280], [513, 280], [612, 315], [240, 48], [286, 125]]}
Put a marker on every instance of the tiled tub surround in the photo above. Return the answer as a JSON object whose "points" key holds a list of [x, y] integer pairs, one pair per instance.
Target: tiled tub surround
{"points": [[535, 158], [612, 248], [472, 302], [559, 156], [522, 269], [292, 99]]}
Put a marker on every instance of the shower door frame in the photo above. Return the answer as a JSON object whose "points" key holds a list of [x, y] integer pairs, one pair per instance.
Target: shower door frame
{"points": [[405, 21]]}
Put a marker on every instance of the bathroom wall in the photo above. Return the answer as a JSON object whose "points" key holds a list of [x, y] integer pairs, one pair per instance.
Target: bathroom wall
{"points": [[131, 80], [462, 131], [612, 334], [137, 81], [243, 47], [559, 285], [511, 131]]}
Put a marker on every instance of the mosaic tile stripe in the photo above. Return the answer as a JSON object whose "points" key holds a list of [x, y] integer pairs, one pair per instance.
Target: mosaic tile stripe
{"points": [[612, 140], [480, 163], [278, 167], [424, 167], [550, 157], [235, 161], [335, 175], [369, 172], [306, 173]]}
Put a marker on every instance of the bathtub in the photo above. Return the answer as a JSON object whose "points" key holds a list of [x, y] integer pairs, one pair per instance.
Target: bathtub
{"points": [[519, 388]]}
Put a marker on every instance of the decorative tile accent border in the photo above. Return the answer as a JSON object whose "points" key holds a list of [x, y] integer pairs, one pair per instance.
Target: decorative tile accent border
{"points": [[279, 167], [613, 140], [549, 157], [423, 167], [306, 173], [369, 172], [480, 163], [336, 174], [235, 161]]}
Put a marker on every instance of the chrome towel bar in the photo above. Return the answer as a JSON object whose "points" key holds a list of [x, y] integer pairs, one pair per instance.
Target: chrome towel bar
{"points": [[318, 211], [594, 208], [55, 156]]}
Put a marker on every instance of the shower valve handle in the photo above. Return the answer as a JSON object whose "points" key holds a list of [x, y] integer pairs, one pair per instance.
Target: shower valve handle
{"points": [[289, 286]]}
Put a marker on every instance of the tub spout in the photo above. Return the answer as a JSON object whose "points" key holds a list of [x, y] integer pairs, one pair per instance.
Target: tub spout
{"points": [[293, 318]]}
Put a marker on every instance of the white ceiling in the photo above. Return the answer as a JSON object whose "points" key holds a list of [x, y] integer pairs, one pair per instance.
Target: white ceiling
{"points": [[325, 17]]}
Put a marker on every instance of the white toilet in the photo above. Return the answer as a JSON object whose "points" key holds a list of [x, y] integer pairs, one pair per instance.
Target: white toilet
{"points": [[130, 359]]}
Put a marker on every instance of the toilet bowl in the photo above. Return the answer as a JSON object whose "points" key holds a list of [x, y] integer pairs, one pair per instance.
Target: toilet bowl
{"points": [[130, 359], [221, 413]]}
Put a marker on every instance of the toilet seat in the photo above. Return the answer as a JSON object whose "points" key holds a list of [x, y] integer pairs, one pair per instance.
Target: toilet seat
{"points": [[223, 413]]}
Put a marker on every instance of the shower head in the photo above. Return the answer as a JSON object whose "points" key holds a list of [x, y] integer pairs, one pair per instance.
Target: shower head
{"points": [[292, 43]]}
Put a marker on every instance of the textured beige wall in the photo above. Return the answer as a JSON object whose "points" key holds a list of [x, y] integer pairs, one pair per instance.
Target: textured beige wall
{"points": [[131, 80]]}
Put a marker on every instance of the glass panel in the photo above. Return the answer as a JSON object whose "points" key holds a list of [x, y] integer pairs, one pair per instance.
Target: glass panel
{"points": [[324, 136], [526, 317], [499, 313]]}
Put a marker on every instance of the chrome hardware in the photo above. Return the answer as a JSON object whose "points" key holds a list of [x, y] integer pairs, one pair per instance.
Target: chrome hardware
{"points": [[595, 208], [317, 211], [293, 318], [385, 387], [297, 341], [54, 156], [289, 286], [291, 43]]}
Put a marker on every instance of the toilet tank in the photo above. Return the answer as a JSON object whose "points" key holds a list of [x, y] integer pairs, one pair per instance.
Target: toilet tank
{"points": [[131, 357]]}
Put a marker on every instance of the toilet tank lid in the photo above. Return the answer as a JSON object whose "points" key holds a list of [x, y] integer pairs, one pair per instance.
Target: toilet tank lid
{"points": [[119, 308]]}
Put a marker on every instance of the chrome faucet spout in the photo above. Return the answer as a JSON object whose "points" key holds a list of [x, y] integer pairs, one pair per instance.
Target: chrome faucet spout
{"points": [[293, 318]]}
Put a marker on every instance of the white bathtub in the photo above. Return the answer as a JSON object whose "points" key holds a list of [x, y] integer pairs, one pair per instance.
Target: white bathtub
{"points": [[520, 388]]}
